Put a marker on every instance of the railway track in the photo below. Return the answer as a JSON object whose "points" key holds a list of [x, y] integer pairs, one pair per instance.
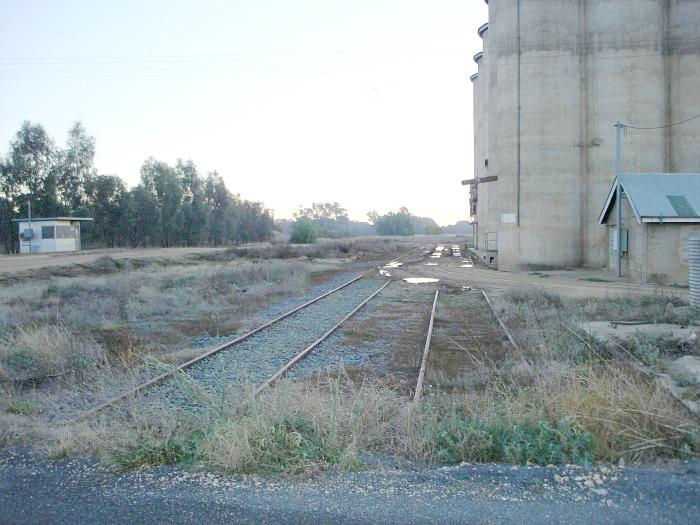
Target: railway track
{"points": [[464, 332], [262, 356], [257, 358]]}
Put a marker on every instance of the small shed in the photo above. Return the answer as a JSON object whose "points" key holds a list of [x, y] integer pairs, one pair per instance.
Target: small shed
{"points": [[49, 234], [659, 214]]}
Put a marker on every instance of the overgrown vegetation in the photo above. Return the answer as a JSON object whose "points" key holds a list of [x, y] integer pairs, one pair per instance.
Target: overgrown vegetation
{"points": [[583, 416], [72, 323], [44, 351], [561, 399]]}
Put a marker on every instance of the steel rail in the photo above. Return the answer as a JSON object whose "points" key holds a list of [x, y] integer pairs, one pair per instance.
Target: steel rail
{"points": [[500, 322], [301, 355], [421, 374], [158, 379]]}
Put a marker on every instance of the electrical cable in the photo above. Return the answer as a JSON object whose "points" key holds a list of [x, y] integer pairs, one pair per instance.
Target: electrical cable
{"points": [[665, 126]]}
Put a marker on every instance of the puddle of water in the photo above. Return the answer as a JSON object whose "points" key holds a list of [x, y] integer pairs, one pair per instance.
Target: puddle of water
{"points": [[433, 256], [457, 254], [385, 273], [466, 265], [431, 264], [439, 248], [393, 264], [420, 280]]}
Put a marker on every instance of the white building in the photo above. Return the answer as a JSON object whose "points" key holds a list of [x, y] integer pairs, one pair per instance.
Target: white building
{"points": [[49, 234]]}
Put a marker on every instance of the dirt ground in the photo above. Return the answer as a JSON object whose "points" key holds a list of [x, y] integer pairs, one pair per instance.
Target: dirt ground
{"points": [[570, 283], [18, 263]]}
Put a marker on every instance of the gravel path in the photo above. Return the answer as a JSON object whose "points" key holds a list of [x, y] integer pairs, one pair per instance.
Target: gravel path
{"points": [[253, 360], [78, 491]]}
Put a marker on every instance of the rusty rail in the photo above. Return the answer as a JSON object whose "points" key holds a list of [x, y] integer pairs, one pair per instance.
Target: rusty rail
{"points": [[500, 322], [421, 374], [158, 379], [301, 355]]}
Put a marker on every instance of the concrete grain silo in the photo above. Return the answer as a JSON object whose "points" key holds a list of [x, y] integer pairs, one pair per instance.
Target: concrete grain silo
{"points": [[475, 198], [560, 74], [623, 73], [684, 89]]}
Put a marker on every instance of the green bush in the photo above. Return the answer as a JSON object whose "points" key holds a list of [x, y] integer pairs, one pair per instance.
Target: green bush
{"points": [[168, 452], [544, 442], [303, 232]]}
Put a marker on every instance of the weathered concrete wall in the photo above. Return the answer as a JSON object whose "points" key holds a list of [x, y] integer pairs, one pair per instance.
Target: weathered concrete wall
{"points": [[491, 213], [667, 252], [623, 60], [684, 87], [477, 111], [487, 210], [635, 259], [561, 73]]}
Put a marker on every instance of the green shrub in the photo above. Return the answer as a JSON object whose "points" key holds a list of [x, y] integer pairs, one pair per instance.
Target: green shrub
{"points": [[303, 232], [23, 408], [167, 453], [474, 440]]}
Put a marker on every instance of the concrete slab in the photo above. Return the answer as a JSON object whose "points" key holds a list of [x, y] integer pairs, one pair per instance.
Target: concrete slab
{"points": [[604, 331]]}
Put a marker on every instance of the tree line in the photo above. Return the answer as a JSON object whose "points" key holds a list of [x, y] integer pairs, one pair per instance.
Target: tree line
{"points": [[326, 219], [171, 205]]}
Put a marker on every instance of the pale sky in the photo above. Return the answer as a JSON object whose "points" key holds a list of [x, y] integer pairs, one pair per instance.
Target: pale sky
{"points": [[364, 102]]}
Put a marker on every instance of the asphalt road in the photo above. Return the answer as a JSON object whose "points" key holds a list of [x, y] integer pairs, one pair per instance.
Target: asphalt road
{"points": [[78, 491]]}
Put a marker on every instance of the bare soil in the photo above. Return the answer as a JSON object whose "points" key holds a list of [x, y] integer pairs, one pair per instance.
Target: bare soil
{"points": [[10, 264], [565, 283]]}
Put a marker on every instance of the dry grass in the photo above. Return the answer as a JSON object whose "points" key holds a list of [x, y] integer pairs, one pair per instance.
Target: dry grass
{"points": [[135, 313], [561, 400], [43, 351], [589, 413], [567, 373]]}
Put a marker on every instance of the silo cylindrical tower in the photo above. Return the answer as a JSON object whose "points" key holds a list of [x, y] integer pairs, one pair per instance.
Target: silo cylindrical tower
{"points": [[483, 190], [485, 74], [534, 45], [474, 190], [684, 59], [626, 79]]}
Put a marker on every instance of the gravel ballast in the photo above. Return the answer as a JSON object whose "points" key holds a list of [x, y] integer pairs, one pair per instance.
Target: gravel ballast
{"points": [[253, 360]]}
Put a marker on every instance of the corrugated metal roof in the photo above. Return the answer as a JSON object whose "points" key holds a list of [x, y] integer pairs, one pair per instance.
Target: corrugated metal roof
{"points": [[655, 197], [43, 219]]}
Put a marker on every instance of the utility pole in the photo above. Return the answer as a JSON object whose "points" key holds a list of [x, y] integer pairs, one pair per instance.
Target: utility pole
{"points": [[618, 194], [29, 206]]}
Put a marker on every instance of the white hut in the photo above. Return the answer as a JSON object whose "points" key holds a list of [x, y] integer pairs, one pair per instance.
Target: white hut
{"points": [[49, 234]]}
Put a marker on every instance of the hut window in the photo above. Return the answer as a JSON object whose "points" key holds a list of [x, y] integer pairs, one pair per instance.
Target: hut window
{"points": [[48, 232], [65, 232]]}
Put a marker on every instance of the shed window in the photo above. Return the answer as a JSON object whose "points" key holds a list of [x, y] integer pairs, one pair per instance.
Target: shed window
{"points": [[48, 232], [65, 232]]}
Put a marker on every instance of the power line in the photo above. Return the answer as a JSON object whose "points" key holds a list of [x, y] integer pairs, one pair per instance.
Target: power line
{"points": [[665, 126]]}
